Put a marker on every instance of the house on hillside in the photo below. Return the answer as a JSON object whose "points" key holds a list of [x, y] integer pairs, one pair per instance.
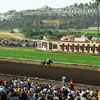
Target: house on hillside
{"points": [[82, 38], [46, 38], [95, 38], [73, 38], [16, 30], [68, 38]]}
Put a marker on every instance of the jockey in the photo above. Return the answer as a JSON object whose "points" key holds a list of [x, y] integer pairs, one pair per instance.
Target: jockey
{"points": [[47, 60]]}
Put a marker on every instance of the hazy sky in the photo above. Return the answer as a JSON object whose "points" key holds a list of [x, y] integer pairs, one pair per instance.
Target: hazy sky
{"points": [[6, 5]]}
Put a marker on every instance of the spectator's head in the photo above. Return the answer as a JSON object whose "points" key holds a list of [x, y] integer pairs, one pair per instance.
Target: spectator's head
{"points": [[68, 98], [84, 95], [48, 97], [14, 94], [42, 98], [36, 95], [55, 98]]}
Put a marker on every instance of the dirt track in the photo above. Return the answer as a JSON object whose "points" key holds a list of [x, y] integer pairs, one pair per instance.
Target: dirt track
{"points": [[81, 76], [8, 33]]}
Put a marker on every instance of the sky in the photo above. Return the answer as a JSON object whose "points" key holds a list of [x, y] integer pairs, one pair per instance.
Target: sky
{"points": [[18, 5]]}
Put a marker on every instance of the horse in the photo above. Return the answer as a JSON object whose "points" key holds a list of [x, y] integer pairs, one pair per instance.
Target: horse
{"points": [[43, 63]]}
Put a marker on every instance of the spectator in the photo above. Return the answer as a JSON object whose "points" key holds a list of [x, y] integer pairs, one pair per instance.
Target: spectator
{"points": [[14, 96], [17, 89], [83, 97], [23, 97], [72, 84], [3, 96], [64, 80], [35, 96]]}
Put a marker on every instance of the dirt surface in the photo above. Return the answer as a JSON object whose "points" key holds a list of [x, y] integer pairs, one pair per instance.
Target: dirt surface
{"points": [[7, 33], [87, 77]]}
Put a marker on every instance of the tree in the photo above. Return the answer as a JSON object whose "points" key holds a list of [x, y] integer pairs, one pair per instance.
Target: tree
{"points": [[27, 31], [86, 4], [37, 24], [19, 25], [75, 5], [81, 5], [48, 32], [89, 37], [27, 24]]}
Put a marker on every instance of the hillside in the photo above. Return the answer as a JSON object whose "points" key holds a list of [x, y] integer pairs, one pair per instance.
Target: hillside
{"points": [[77, 16]]}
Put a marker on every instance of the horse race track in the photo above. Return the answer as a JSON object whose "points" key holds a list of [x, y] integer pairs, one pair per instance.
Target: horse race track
{"points": [[54, 73], [31, 53]]}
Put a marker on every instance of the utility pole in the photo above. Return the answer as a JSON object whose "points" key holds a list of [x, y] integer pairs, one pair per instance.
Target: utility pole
{"points": [[98, 20], [97, 2]]}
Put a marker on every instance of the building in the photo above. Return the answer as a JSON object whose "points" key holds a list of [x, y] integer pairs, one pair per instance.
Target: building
{"points": [[71, 11], [82, 38], [45, 10], [16, 30], [93, 28], [68, 38], [69, 46], [95, 38]]}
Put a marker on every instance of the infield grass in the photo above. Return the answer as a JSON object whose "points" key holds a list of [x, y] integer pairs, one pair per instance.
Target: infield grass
{"points": [[32, 54]]}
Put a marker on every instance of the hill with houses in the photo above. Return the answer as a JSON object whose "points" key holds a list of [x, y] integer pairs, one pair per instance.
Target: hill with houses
{"points": [[77, 16]]}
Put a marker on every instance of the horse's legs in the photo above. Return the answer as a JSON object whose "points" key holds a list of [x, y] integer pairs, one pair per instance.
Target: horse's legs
{"points": [[42, 64], [49, 64]]}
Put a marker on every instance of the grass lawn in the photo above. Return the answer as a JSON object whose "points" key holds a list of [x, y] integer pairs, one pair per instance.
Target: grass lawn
{"points": [[19, 34], [5, 30], [31, 54], [3, 36]]}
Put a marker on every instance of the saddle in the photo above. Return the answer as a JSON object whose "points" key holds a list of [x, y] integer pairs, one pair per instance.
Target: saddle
{"points": [[46, 62]]}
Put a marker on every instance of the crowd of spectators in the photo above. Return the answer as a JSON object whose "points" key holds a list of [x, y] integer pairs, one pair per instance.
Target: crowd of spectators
{"points": [[16, 42], [26, 89]]}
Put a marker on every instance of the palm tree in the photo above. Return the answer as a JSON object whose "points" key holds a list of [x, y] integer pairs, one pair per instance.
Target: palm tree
{"points": [[97, 2]]}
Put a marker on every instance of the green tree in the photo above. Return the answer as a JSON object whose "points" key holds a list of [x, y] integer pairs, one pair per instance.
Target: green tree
{"points": [[89, 37], [37, 24], [27, 24], [27, 31], [19, 25], [75, 5], [86, 5], [81, 5]]}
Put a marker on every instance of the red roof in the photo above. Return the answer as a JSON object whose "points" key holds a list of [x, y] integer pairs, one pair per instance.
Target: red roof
{"points": [[71, 41], [98, 42], [74, 41], [69, 36]]}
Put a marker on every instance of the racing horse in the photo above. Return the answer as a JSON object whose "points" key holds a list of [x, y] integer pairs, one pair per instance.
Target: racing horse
{"points": [[49, 62]]}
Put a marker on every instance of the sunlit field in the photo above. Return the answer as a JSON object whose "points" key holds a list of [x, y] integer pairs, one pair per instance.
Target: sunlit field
{"points": [[31, 53]]}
